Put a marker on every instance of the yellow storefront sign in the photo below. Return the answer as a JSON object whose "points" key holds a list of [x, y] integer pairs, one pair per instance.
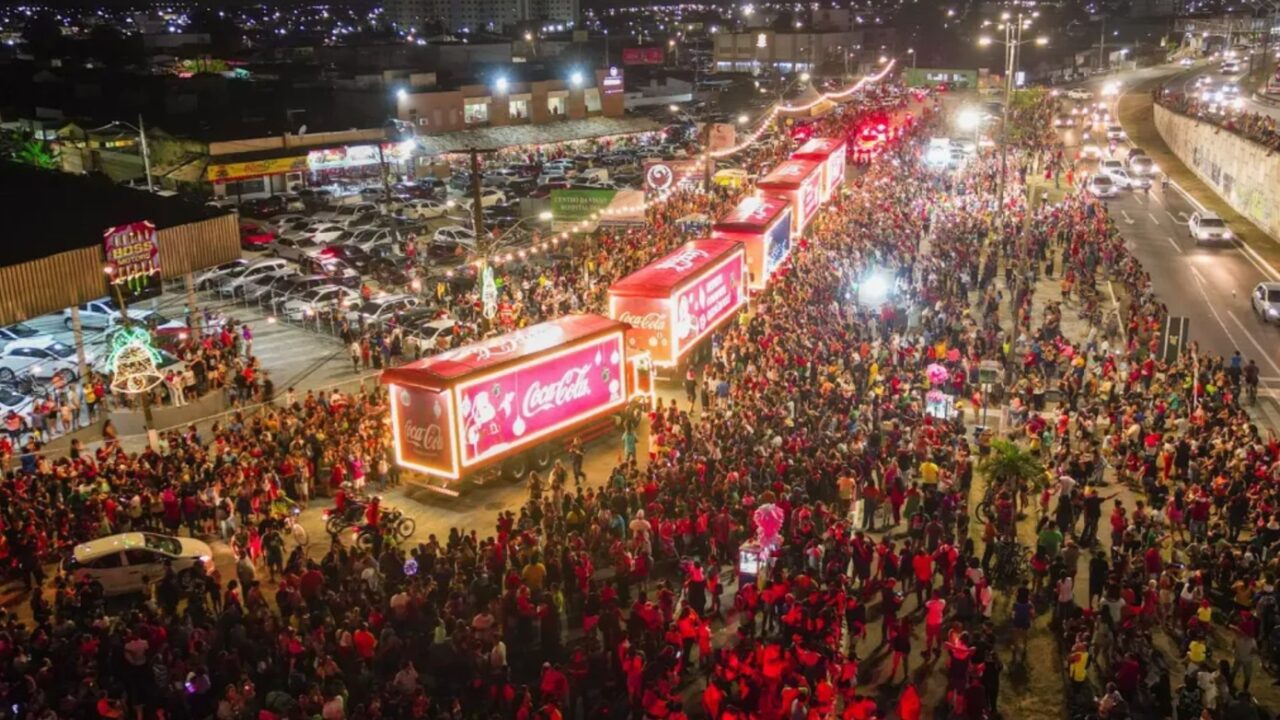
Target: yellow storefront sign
{"points": [[256, 168]]}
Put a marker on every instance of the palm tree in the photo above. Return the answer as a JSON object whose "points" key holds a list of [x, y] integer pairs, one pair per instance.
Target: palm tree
{"points": [[1009, 463]]}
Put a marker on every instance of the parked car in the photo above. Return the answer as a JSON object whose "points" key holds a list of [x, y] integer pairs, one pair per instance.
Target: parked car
{"points": [[335, 269], [262, 288], [294, 286], [317, 301], [355, 256], [211, 277], [430, 337], [130, 562], [255, 237], [456, 235], [327, 233], [368, 237], [104, 314], [264, 207], [296, 247], [424, 209], [18, 331], [235, 283], [388, 272], [1208, 227], [379, 310], [42, 359], [342, 213]]}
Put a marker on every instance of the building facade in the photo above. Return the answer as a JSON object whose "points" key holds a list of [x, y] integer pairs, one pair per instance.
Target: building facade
{"points": [[786, 52], [519, 103]]}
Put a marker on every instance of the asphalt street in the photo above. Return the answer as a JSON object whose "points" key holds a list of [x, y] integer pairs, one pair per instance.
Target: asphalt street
{"points": [[1210, 285]]}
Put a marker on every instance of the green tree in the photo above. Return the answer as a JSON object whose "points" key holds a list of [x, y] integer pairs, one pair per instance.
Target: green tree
{"points": [[24, 147], [1009, 463]]}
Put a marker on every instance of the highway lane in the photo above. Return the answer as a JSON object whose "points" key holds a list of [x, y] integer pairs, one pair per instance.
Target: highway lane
{"points": [[1209, 285]]}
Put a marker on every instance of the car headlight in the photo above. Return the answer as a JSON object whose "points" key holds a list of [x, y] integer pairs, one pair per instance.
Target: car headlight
{"points": [[1226, 234]]}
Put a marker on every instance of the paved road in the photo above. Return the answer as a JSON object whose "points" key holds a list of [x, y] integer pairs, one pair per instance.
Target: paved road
{"points": [[1209, 285]]}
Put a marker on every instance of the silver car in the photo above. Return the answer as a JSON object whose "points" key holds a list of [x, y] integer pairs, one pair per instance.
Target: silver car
{"points": [[1266, 301]]}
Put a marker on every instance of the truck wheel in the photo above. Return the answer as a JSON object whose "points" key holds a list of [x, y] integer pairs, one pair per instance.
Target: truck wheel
{"points": [[515, 468], [540, 457]]}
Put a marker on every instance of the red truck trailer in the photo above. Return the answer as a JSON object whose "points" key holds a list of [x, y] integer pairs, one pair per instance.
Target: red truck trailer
{"points": [[832, 154], [763, 226], [504, 401], [799, 182], [674, 302]]}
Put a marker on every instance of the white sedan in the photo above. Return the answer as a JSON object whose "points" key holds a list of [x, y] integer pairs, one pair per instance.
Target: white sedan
{"points": [[425, 209], [1102, 186], [318, 300], [40, 358], [129, 562], [1079, 94], [456, 235]]}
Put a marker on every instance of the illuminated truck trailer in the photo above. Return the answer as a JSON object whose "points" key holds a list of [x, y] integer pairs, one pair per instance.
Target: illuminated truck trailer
{"points": [[676, 301], [832, 154], [763, 226], [799, 182], [505, 399]]}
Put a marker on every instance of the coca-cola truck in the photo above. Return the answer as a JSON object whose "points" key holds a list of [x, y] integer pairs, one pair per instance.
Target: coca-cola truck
{"points": [[676, 301], [502, 402]]}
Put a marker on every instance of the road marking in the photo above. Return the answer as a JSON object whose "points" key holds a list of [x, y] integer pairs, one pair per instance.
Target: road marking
{"points": [[1174, 244], [1185, 217], [1155, 198], [1174, 218], [1136, 197], [1255, 342], [1200, 284], [1128, 220], [1153, 217]]}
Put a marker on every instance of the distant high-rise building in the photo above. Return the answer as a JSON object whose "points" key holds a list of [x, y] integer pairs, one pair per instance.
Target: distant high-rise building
{"points": [[474, 15]]}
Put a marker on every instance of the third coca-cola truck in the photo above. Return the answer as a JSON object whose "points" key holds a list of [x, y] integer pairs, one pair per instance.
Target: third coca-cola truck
{"points": [[674, 302], [502, 401]]}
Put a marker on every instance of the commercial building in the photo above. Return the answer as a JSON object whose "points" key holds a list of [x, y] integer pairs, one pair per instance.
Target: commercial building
{"points": [[508, 102], [793, 52]]}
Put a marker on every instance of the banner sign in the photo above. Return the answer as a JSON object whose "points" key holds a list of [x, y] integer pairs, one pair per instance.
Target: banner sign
{"points": [[573, 205], [133, 260], [644, 56], [227, 172], [661, 176]]}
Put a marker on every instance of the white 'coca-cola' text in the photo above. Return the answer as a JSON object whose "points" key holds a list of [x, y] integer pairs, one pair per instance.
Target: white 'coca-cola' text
{"points": [[424, 438], [573, 385], [651, 321]]}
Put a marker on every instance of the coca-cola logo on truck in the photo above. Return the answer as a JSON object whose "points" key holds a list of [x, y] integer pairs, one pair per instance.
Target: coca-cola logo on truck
{"points": [[573, 385], [654, 321], [684, 260], [426, 439]]}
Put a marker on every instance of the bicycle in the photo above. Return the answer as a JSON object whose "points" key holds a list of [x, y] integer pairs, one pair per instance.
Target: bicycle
{"points": [[1010, 568]]}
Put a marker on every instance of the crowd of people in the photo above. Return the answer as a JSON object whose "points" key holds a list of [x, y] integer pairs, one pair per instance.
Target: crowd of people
{"points": [[806, 440], [1258, 127]]}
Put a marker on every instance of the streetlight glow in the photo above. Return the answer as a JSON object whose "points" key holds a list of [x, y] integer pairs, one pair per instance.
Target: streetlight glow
{"points": [[402, 94], [576, 79], [501, 84], [984, 41], [742, 119], [1042, 40], [969, 119]]}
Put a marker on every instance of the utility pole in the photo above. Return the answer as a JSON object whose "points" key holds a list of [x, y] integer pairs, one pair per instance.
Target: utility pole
{"points": [[1102, 43], [146, 154], [477, 211]]}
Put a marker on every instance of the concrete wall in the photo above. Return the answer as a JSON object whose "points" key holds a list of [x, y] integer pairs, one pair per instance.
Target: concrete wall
{"points": [[1242, 172]]}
